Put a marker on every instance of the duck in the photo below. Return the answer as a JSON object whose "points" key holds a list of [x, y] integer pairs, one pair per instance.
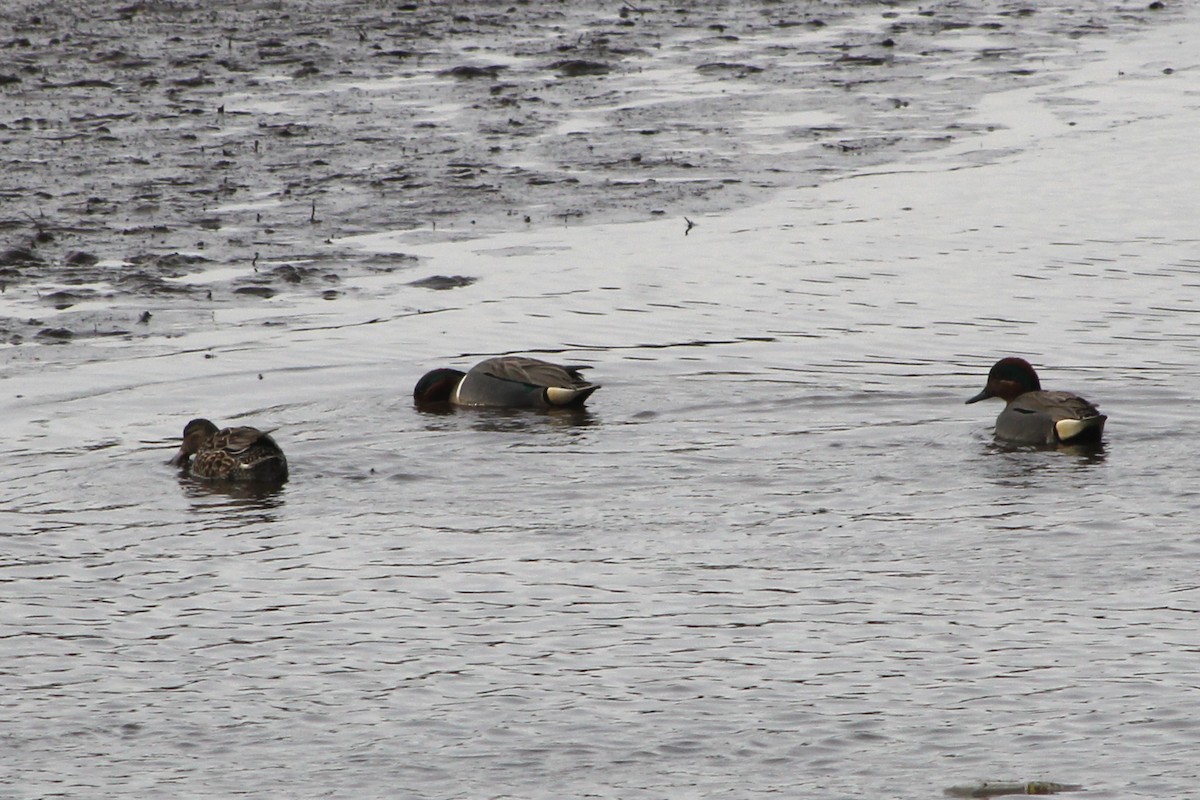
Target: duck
{"points": [[1033, 415], [507, 382], [241, 454]]}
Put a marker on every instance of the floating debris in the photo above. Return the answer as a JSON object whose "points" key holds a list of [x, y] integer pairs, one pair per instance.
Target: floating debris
{"points": [[79, 258], [18, 256], [55, 334], [468, 71], [999, 788], [443, 282], [728, 67], [576, 67], [255, 291]]}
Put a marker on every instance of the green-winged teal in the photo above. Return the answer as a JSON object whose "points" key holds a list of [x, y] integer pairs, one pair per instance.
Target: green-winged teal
{"points": [[506, 382], [241, 454], [1035, 416]]}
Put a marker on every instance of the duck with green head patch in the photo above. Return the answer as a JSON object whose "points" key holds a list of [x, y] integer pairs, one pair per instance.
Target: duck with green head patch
{"points": [[1033, 415], [507, 382]]}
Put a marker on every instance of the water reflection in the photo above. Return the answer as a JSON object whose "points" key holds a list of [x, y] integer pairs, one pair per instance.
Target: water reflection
{"points": [[508, 420], [1024, 466], [231, 496], [1087, 453]]}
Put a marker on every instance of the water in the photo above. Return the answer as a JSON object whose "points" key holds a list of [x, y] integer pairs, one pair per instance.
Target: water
{"points": [[776, 556]]}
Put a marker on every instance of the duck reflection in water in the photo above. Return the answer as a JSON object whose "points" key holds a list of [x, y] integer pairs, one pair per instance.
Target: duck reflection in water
{"points": [[246, 502], [444, 416]]}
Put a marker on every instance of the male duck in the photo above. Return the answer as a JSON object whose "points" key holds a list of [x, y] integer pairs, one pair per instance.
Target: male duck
{"points": [[507, 382], [230, 454], [1035, 416]]}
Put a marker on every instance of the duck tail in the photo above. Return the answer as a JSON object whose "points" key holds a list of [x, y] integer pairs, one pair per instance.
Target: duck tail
{"points": [[568, 396], [1088, 428]]}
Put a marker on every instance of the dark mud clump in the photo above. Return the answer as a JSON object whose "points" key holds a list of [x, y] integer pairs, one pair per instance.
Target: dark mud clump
{"points": [[443, 282], [146, 142]]}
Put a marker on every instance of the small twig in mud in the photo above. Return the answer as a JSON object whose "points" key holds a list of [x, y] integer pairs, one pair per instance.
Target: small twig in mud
{"points": [[313, 216], [41, 235], [689, 227]]}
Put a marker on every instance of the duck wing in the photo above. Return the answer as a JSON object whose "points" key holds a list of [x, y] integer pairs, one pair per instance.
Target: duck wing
{"points": [[1070, 418], [1059, 405], [534, 372], [241, 439], [523, 382]]}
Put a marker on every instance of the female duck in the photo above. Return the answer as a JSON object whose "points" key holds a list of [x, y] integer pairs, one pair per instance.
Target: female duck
{"points": [[507, 382], [230, 454], [1035, 416]]}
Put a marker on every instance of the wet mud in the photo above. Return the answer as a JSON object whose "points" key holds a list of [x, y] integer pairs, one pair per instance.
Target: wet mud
{"points": [[147, 143]]}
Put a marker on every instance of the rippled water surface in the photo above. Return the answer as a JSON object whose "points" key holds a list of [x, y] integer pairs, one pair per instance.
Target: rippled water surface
{"points": [[776, 556]]}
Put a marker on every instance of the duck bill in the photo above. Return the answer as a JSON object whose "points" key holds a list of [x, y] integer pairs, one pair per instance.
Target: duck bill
{"points": [[179, 459], [984, 395]]}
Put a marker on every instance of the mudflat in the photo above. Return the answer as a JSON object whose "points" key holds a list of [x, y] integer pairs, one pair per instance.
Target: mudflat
{"points": [[146, 142]]}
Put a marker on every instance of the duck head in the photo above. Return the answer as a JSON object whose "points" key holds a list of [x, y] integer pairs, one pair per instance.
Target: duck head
{"points": [[195, 434], [1008, 379], [437, 386]]}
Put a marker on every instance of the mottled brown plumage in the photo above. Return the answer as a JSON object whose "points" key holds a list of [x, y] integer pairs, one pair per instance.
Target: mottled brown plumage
{"points": [[241, 454]]}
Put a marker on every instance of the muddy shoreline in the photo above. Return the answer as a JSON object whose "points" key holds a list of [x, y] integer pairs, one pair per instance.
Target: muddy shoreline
{"points": [[145, 143]]}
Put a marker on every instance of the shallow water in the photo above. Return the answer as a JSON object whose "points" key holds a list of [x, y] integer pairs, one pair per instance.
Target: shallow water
{"points": [[776, 556]]}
